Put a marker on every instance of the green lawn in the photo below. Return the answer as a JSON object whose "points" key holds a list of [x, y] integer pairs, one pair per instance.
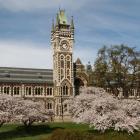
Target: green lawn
{"points": [[36, 132], [42, 131]]}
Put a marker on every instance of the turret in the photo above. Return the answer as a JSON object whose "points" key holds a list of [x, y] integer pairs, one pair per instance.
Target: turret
{"points": [[57, 19], [72, 23], [53, 26]]}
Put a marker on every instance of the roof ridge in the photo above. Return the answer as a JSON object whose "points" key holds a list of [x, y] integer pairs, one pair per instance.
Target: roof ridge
{"points": [[24, 68]]}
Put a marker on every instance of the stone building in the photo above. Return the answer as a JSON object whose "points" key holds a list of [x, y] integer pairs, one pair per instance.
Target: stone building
{"points": [[51, 86]]}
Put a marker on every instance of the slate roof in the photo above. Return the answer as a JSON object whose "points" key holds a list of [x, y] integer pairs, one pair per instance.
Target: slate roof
{"points": [[26, 75]]}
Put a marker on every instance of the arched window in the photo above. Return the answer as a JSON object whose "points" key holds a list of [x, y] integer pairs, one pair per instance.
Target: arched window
{"points": [[38, 90], [16, 90], [62, 63], [8, 90], [64, 90], [5, 90], [68, 57], [28, 91], [68, 61], [68, 72], [62, 74], [65, 107], [49, 105], [41, 91], [62, 57], [49, 91]]}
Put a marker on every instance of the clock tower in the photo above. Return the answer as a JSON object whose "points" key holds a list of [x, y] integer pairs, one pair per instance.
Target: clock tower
{"points": [[62, 41]]}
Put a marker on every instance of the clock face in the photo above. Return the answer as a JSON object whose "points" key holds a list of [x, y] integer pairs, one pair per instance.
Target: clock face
{"points": [[65, 46]]}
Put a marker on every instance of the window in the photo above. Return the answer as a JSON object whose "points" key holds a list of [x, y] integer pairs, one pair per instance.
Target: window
{"points": [[64, 90], [28, 90], [16, 90], [62, 74], [62, 63], [49, 91], [65, 108], [132, 92], [68, 64], [38, 91], [61, 57], [6, 90], [68, 61], [49, 106]]}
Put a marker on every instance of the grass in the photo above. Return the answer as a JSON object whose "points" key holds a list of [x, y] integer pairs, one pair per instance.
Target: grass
{"points": [[43, 131], [35, 132]]}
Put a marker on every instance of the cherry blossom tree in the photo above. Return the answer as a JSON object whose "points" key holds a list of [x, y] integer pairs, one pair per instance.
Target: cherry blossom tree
{"points": [[16, 109], [103, 111], [30, 112], [7, 105], [4, 117]]}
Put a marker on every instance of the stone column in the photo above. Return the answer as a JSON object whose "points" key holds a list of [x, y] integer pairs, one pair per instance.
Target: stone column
{"points": [[22, 90], [31, 91], [10, 90]]}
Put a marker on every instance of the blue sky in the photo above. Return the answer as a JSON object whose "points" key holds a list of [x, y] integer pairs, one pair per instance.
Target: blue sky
{"points": [[25, 28]]}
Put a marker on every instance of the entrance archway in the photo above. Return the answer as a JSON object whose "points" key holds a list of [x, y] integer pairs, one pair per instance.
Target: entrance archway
{"points": [[78, 84]]}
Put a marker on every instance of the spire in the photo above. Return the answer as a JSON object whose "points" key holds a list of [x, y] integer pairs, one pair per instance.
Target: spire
{"points": [[57, 19], [72, 23], [52, 25]]}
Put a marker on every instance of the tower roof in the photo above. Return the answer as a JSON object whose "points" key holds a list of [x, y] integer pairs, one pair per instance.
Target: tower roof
{"points": [[62, 17], [78, 61]]}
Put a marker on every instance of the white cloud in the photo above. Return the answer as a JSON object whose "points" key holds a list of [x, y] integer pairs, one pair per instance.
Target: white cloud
{"points": [[27, 5], [19, 54], [31, 55]]}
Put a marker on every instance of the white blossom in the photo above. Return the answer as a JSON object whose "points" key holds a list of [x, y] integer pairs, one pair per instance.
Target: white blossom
{"points": [[103, 111], [16, 109]]}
